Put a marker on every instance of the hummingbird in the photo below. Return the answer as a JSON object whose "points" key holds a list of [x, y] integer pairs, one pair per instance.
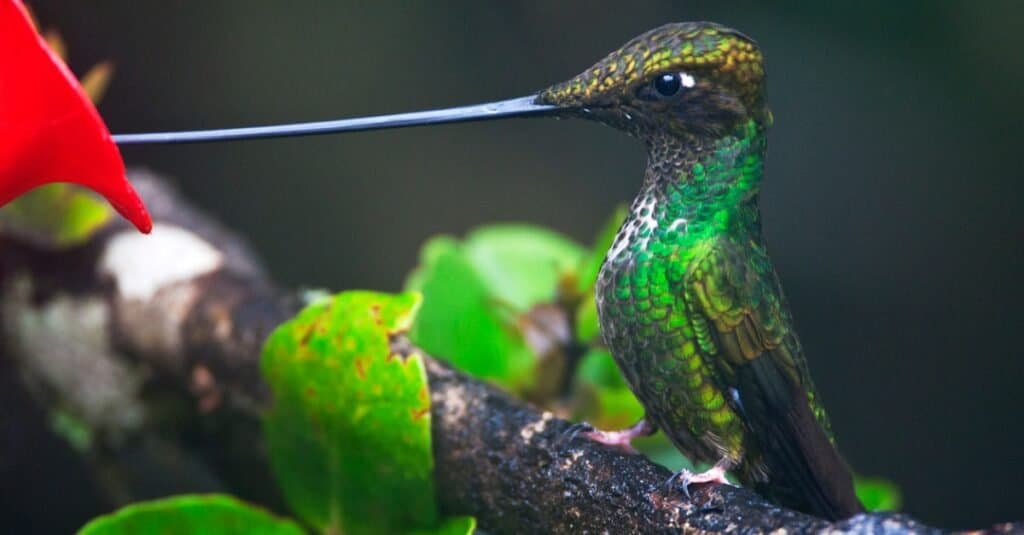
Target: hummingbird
{"points": [[688, 300]]}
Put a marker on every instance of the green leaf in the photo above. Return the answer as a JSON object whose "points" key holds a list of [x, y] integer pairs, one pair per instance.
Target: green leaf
{"points": [[660, 450], [456, 525], [521, 265], [56, 216], [349, 431], [617, 408], [430, 254], [212, 514], [587, 327], [599, 368], [460, 322], [602, 243], [476, 290], [878, 494]]}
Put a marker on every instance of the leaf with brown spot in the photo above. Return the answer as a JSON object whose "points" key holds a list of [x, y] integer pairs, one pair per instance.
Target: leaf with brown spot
{"points": [[360, 367], [355, 457], [304, 340]]}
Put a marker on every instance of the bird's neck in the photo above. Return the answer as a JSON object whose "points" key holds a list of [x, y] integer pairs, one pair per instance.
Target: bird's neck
{"points": [[695, 188]]}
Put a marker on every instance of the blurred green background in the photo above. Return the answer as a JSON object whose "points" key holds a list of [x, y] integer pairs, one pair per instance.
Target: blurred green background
{"points": [[890, 201]]}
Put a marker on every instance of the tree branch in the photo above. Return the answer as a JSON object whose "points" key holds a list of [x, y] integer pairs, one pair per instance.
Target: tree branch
{"points": [[153, 344]]}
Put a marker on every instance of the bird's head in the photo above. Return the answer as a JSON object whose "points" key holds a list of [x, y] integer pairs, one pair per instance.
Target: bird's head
{"points": [[684, 79]]}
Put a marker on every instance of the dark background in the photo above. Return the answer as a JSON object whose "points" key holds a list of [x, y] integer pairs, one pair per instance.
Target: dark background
{"points": [[890, 200]]}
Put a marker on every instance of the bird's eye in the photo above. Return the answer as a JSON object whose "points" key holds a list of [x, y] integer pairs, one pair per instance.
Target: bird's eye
{"points": [[668, 84], [665, 86]]}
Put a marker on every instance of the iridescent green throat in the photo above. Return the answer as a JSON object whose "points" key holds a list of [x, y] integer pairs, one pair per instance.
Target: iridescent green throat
{"points": [[694, 189]]}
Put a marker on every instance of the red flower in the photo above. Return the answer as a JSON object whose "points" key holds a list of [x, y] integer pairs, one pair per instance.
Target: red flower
{"points": [[49, 130]]}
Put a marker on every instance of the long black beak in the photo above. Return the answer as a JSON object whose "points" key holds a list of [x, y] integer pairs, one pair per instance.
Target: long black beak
{"points": [[515, 107]]}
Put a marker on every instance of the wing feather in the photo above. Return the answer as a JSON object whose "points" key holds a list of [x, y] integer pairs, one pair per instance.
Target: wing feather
{"points": [[790, 453]]}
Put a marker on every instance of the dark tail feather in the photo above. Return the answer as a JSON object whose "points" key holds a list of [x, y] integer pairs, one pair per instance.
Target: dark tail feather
{"points": [[805, 471]]}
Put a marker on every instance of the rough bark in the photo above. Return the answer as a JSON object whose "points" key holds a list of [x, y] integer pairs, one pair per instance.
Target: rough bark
{"points": [[160, 364]]}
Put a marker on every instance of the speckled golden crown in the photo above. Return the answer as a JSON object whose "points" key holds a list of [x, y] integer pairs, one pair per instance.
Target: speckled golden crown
{"points": [[687, 46]]}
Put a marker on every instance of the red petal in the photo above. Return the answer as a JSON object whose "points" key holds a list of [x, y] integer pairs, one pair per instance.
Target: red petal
{"points": [[49, 131]]}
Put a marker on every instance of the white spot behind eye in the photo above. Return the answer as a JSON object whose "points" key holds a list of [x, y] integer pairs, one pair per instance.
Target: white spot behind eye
{"points": [[688, 80]]}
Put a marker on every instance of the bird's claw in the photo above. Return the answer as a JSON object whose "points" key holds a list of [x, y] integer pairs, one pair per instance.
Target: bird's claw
{"points": [[570, 433], [621, 440], [715, 474]]}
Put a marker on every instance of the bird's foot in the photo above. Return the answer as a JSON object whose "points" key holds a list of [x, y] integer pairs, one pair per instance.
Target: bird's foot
{"points": [[715, 474], [622, 440]]}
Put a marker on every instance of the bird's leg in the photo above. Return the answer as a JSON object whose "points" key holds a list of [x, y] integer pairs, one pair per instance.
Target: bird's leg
{"points": [[715, 474], [623, 439]]}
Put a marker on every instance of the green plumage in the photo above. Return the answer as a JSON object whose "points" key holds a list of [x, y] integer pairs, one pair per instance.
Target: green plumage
{"points": [[689, 302], [687, 264]]}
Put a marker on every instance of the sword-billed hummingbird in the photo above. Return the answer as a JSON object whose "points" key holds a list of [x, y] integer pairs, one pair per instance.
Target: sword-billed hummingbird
{"points": [[689, 303]]}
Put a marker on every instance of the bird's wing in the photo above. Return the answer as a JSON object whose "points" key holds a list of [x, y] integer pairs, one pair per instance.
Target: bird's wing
{"points": [[733, 287], [757, 359]]}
